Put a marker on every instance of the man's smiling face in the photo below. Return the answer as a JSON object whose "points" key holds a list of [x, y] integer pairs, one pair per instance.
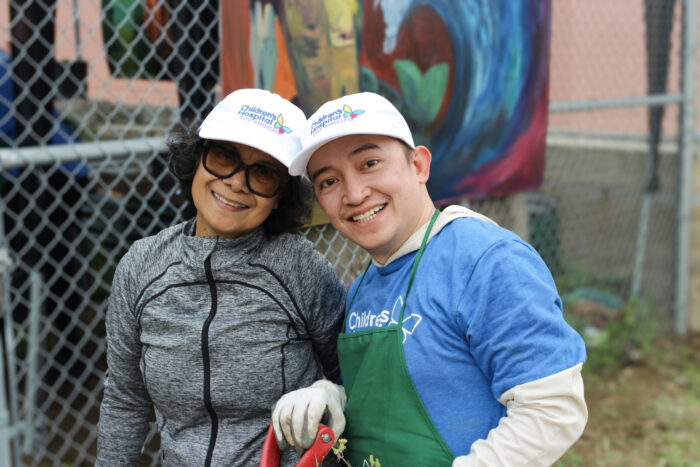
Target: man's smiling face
{"points": [[371, 193]]}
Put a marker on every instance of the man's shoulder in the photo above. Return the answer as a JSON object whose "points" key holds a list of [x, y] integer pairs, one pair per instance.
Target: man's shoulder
{"points": [[466, 242], [474, 233]]}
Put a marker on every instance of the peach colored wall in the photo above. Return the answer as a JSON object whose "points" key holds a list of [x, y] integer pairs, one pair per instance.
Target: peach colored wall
{"points": [[5, 21], [101, 85], [597, 52]]}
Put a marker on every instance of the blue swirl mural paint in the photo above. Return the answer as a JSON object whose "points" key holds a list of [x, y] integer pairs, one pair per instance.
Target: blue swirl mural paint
{"points": [[497, 108], [470, 76]]}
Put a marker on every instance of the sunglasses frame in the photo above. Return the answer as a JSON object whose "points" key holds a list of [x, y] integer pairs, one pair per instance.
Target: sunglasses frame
{"points": [[284, 178]]}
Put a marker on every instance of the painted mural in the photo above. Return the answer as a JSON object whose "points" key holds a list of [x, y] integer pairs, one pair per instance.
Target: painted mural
{"points": [[136, 36], [471, 76]]}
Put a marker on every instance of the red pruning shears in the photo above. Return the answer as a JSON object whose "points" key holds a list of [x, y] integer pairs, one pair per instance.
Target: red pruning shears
{"points": [[312, 457]]}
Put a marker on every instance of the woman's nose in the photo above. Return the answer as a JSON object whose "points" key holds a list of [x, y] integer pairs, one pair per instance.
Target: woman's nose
{"points": [[236, 181]]}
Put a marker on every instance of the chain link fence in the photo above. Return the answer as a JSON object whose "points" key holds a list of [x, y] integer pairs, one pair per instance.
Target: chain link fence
{"points": [[89, 90]]}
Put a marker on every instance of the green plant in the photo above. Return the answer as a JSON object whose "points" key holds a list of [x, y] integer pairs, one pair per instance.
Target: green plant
{"points": [[577, 275], [339, 451], [677, 410], [616, 331], [627, 338], [570, 459]]}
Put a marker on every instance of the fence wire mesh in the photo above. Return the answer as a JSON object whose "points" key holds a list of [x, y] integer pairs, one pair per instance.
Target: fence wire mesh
{"points": [[85, 84]]}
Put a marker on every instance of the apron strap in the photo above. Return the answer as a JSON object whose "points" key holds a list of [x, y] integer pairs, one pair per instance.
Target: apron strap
{"points": [[410, 279], [416, 261], [345, 320]]}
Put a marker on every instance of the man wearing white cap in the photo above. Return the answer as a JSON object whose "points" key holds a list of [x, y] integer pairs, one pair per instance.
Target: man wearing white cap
{"points": [[454, 350]]}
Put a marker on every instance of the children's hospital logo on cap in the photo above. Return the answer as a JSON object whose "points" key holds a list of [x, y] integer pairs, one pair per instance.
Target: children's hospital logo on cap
{"points": [[267, 120], [337, 116], [279, 124], [348, 112]]}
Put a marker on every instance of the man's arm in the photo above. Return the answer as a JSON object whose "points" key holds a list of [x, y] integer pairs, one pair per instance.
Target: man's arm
{"points": [[531, 356], [551, 409]]}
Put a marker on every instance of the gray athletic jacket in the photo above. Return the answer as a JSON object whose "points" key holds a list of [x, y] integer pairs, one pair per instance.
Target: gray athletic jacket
{"points": [[210, 332]]}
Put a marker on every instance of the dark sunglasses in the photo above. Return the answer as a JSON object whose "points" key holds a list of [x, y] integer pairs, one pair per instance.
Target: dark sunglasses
{"points": [[224, 161]]}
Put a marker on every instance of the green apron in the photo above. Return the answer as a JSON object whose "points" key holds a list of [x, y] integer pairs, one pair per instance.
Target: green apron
{"points": [[385, 418]]}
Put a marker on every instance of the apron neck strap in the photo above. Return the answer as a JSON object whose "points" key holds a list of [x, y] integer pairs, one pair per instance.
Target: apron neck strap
{"points": [[362, 278], [419, 255], [413, 270]]}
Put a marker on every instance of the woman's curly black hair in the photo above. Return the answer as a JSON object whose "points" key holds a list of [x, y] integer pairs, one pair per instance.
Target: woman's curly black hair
{"points": [[185, 149]]}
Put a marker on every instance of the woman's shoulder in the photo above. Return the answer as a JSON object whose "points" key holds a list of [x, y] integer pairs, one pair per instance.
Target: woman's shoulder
{"points": [[154, 248], [303, 269], [291, 243], [294, 254]]}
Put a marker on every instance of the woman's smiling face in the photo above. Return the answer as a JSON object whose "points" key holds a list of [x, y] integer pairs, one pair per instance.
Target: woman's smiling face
{"points": [[225, 206]]}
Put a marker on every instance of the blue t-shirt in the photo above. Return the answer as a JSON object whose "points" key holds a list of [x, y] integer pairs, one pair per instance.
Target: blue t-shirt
{"points": [[483, 315]]}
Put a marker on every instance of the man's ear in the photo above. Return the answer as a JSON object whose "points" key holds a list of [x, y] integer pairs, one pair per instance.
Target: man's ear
{"points": [[421, 162]]}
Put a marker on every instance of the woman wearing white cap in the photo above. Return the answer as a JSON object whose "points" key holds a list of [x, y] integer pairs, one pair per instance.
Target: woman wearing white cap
{"points": [[212, 320]]}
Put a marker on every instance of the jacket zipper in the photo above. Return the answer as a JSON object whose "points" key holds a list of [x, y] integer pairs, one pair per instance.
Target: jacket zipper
{"points": [[206, 363]]}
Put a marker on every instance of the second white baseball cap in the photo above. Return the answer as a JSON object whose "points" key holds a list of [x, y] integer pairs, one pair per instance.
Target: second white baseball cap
{"points": [[355, 114]]}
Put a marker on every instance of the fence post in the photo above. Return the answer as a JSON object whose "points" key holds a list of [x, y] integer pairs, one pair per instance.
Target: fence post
{"points": [[687, 150], [5, 427], [5, 420], [33, 344]]}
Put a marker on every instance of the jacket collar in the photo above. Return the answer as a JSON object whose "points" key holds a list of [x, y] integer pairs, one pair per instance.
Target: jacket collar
{"points": [[224, 251]]}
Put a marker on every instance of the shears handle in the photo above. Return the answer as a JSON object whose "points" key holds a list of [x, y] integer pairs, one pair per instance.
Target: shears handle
{"points": [[312, 457]]}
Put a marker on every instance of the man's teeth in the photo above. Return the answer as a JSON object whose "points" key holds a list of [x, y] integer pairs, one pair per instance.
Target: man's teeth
{"points": [[229, 203], [368, 215]]}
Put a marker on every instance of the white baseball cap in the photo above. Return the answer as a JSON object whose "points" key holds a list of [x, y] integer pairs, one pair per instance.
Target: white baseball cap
{"points": [[260, 119], [365, 113]]}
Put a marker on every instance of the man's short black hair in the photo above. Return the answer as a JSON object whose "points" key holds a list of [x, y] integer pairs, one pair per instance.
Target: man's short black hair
{"points": [[185, 149], [408, 150]]}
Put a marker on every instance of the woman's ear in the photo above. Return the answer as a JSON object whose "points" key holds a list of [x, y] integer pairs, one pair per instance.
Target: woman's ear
{"points": [[421, 162]]}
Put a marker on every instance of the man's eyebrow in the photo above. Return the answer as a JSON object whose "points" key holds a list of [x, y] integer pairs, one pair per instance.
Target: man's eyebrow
{"points": [[357, 150], [364, 147], [318, 172]]}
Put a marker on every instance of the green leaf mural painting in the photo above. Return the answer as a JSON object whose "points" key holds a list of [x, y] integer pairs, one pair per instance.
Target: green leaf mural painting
{"points": [[471, 76]]}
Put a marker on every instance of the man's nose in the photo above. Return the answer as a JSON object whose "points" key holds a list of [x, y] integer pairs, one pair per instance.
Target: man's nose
{"points": [[356, 191]]}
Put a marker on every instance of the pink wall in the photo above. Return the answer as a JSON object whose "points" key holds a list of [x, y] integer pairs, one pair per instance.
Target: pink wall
{"points": [[597, 52], [101, 85]]}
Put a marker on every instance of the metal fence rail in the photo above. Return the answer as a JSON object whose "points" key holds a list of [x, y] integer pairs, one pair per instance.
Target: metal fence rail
{"points": [[83, 176]]}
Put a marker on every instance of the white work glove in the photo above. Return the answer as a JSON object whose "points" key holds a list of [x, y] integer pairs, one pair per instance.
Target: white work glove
{"points": [[296, 416]]}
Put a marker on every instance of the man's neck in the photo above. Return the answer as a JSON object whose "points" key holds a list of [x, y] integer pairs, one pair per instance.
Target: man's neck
{"points": [[428, 210]]}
